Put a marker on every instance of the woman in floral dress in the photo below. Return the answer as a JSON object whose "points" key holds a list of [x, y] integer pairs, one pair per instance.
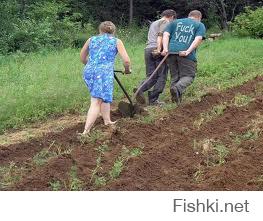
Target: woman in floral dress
{"points": [[98, 54]]}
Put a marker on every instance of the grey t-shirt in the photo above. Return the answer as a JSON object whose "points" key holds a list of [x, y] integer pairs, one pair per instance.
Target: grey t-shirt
{"points": [[156, 29]]}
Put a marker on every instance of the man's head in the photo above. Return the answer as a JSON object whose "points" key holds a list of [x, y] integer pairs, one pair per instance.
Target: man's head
{"points": [[169, 14], [196, 15], [107, 27]]}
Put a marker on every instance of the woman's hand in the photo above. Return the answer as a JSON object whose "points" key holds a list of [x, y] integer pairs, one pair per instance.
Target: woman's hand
{"points": [[127, 69], [125, 57]]}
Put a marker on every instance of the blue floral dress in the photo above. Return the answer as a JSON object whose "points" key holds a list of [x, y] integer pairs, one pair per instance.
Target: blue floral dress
{"points": [[98, 72]]}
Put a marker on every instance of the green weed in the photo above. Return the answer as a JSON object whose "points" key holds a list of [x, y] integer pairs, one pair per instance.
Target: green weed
{"points": [[117, 168], [135, 152], [55, 185], [60, 152], [119, 163], [100, 181], [103, 148], [241, 100], [254, 130], [97, 168], [260, 179], [43, 156], [92, 137], [222, 152], [75, 183], [199, 174], [9, 175], [214, 151], [210, 115], [259, 89]]}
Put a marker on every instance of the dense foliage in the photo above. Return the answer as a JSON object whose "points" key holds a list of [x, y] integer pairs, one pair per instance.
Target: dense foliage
{"points": [[249, 23], [29, 25]]}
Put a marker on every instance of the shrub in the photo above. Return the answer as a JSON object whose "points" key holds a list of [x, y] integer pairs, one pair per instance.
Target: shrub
{"points": [[44, 25], [249, 23], [86, 32]]}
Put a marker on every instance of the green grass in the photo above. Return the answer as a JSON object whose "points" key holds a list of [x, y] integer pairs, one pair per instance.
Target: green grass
{"points": [[208, 116], [120, 161], [43, 157], [222, 152], [55, 185], [75, 183], [241, 100], [47, 154], [198, 175], [92, 137], [10, 174], [98, 178], [36, 86]]}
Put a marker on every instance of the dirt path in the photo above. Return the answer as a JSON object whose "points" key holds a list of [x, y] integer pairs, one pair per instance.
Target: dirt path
{"points": [[173, 155]]}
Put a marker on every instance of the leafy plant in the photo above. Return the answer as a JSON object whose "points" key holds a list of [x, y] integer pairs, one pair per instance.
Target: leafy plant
{"points": [[97, 168], [198, 175], [249, 23], [119, 163], [117, 168], [135, 152], [222, 153], [214, 151], [241, 100], [55, 185], [100, 181], [9, 175], [208, 116], [43, 156], [103, 148], [75, 183], [92, 137]]}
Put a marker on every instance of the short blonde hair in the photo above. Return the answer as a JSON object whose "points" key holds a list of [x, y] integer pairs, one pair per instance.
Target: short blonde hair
{"points": [[107, 27], [195, 14]]}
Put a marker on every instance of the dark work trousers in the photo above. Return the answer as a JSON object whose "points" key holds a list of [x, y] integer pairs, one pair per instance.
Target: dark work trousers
{"points": [[182, 71], [159, 80]]}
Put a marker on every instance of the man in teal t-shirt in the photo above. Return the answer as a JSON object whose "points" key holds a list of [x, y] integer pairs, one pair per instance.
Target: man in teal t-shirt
{"points": [[183, 36]]}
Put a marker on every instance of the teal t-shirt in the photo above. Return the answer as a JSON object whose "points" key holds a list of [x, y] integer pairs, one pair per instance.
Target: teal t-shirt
{"points": [[182, 34]]}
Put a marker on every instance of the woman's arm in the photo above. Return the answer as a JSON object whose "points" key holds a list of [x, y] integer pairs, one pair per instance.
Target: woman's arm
{"points": [[84, 52], [124, 55]]}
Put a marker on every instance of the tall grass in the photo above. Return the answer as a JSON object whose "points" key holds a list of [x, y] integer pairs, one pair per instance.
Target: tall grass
{"points": [[226, 63], [39, 85]]}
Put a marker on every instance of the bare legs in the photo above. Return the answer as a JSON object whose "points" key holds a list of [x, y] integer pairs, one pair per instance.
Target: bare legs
{"points": [[97, 106], [105, 112], [93, 114]]}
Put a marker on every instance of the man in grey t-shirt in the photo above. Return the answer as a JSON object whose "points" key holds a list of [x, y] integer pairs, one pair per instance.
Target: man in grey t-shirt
{"points": [[153, 58]]}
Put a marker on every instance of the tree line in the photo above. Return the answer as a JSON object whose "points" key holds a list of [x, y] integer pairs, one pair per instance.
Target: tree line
{"points": [[28, 25]]}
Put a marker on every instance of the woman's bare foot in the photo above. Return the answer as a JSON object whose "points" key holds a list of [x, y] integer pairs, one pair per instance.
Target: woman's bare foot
{"points": [[110, 123], [85, 132]]}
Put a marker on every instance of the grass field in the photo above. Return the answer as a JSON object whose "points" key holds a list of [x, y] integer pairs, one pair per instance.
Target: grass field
{"points": [[36, 86]]}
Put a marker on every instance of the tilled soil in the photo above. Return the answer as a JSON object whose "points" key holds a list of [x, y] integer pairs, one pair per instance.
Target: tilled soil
{"points": [[173, 156]]}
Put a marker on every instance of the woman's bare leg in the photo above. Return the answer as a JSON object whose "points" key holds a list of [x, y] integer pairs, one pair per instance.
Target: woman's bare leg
{"points": [[105, 112], [93, 113]]}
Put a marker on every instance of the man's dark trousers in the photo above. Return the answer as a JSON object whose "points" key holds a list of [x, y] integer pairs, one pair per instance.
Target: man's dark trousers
{"points": [[182, 70], [159, 80]]}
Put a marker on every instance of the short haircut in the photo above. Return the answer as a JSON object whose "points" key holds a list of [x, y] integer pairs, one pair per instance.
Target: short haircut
{"points": [[168, 13], [195, 14], [107, 27]]}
